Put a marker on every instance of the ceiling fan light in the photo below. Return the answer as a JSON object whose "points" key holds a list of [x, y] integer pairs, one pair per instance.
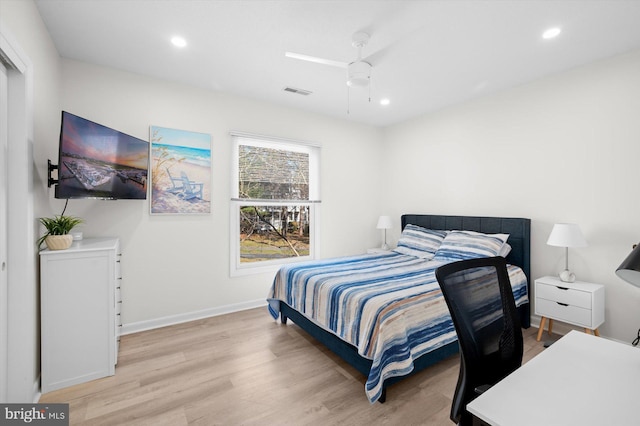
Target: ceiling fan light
{"points": [[358, 74], [356, 81]]}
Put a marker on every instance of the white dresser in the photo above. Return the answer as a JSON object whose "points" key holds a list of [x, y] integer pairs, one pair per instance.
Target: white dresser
{"points": [[79, 310], [578, 303]]}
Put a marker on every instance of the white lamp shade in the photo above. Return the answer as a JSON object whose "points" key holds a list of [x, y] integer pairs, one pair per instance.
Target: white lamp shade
{"points": [[566, 235], [384, 222]]}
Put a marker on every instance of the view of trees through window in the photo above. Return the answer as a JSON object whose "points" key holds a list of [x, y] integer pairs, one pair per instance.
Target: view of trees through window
{"points": [[273, 232], [273, 187]]}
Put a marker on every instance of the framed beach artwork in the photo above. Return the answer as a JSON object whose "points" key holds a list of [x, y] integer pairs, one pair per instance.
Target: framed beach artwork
{"points": [[180, 171]]}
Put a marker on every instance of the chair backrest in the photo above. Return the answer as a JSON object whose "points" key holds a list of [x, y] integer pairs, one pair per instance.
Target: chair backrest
{"points": [[186, 184], [480, 299], [173, 179]]}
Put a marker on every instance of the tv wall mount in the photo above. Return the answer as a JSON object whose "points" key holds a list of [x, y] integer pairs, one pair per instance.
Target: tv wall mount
{"points": [[51, 167]]}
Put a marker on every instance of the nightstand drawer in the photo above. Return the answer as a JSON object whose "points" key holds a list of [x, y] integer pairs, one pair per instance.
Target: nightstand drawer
{"points": [[567, 296], [566, 313]]}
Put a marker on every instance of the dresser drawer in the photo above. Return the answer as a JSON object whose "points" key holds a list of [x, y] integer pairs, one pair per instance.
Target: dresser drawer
{"points": [[569, 296], [566, 313]]}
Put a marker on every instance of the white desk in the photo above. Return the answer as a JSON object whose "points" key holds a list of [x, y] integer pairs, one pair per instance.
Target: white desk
{"points": [[579, 380]]}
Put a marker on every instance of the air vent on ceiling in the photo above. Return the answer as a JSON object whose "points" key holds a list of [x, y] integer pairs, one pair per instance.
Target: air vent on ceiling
{"points": [[297, 91]]}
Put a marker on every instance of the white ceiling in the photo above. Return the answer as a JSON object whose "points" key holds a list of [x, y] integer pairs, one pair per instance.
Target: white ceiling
{"points": [[425, 54]]}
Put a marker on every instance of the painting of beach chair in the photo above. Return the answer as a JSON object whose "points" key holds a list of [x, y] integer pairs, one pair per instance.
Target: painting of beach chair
{"points": [[191, 189], [176, 183], [185, 188]]}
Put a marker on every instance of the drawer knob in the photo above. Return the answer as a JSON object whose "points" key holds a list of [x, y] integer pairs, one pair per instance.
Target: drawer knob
{"points": [[562, 288], [562, 304]]}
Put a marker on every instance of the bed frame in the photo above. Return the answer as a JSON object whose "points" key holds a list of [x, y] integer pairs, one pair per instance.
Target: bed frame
{"points": [[519, 231]]}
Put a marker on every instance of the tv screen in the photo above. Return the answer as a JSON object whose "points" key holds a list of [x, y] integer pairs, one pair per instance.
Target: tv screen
{"points": [[95, 161]]}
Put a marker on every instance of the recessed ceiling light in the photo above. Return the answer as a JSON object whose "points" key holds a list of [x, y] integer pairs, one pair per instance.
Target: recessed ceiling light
{"points": [[178, 41], [385, 101], [551, 33]]}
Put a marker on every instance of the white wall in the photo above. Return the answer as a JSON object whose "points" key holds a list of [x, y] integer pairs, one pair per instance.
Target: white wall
{"points": [[175, 265], [561, 149]]}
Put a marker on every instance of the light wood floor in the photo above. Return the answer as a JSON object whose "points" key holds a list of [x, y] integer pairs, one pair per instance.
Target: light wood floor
{"points": [[247, 369]]}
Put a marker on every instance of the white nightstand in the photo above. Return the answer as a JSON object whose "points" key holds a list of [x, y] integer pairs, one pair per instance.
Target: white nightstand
{"points": [[578, 303]]}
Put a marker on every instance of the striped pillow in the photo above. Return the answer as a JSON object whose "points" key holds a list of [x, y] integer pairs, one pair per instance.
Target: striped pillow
{"points": [[505, 250], [420, 242], [460, 245]]}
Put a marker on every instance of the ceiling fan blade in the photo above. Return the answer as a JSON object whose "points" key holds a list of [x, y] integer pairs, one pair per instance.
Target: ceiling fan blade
{"points": [[377, 57], [316, 60]]}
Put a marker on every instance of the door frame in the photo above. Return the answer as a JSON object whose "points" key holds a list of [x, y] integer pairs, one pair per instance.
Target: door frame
{"points": [[22, 366], [4, 307]]}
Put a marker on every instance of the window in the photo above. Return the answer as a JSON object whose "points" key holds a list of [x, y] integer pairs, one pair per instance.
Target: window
{"points": [[274, 202]]}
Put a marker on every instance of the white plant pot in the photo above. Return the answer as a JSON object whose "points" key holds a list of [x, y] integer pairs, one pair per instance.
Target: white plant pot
{"points": [[59, 242]]}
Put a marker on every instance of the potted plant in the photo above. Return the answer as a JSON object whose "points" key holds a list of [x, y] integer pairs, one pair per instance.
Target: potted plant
{"points": [[57, 236]]}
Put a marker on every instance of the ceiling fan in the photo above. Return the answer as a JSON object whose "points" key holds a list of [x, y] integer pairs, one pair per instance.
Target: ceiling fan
{"points": [[358, 71]]}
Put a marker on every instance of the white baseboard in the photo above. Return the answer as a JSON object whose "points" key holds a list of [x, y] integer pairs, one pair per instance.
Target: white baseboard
{"points": [[559, 327], [139, 326], [563, 328]]}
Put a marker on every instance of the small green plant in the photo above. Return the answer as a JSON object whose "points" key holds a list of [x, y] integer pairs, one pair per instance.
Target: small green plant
{"points": [[58, 225]]}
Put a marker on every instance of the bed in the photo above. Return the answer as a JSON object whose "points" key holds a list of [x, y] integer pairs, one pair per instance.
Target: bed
{"points": [[383, 313]]}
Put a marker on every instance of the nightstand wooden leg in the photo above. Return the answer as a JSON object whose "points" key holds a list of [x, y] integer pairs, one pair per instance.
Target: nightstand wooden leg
{"points": [[541, 328], [550, 326], [587, 331], [596, 332]]}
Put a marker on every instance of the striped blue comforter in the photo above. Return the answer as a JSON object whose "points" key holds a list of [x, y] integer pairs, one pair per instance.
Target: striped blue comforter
{"points": [[388, 305]]}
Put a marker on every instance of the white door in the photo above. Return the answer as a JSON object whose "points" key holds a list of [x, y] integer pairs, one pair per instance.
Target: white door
{"points": [[3, 233]]}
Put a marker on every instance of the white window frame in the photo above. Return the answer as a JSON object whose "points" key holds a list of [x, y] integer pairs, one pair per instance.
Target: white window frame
{"points": [[271, 266]]}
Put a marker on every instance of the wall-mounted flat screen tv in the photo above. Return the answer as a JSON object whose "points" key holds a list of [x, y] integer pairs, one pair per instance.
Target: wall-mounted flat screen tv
{"points": [[95, 161]]}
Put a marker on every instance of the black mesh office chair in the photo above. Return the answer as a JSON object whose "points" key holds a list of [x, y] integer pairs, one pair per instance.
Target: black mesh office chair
{"points": [[480, 299]]}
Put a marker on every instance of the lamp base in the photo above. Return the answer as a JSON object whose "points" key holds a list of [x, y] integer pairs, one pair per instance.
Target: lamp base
{"points": [[385, 246], [567, 276]]}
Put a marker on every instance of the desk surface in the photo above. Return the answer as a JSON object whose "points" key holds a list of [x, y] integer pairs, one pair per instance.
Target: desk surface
{"points": [[579, 380]]}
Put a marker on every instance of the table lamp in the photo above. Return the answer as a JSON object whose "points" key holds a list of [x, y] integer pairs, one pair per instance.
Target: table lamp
{"points": [[629, 269], [384, 222], [566, 235]]}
